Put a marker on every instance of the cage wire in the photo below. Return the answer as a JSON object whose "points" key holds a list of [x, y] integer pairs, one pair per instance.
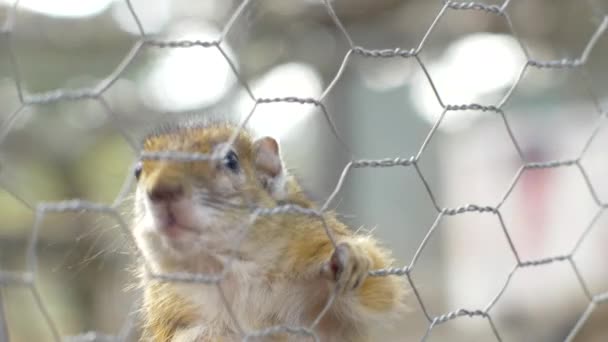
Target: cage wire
{"points": [[27, 278]]}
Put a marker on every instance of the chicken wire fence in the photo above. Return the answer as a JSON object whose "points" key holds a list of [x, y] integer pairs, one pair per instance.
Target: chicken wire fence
{"points": [[27, 278]]}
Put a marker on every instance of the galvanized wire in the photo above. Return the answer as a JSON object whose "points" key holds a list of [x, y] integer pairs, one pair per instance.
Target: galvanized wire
{"points": [[27, 278]]}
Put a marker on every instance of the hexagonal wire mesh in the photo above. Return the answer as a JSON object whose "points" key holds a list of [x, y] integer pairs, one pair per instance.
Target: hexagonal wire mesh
{"points": [[27, 279]]}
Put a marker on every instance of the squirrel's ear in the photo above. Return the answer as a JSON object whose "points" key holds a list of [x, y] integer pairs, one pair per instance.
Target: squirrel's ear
{"points": [[269, 167]]}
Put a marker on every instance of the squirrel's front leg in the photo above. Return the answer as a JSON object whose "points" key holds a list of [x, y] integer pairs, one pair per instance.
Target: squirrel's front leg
{"points": [[361, 301], [347, 267]]}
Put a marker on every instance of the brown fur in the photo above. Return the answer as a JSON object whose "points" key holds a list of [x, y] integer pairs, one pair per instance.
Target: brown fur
{"points": [[165, 312], [304, 247]]}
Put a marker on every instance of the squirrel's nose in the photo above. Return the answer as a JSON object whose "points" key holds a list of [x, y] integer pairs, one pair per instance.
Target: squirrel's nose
{"points": [[166, 192], [165, 183]]}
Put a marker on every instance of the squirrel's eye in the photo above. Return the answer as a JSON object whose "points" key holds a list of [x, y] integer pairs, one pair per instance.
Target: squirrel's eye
{"points": [[137, 170], [231, 161]]}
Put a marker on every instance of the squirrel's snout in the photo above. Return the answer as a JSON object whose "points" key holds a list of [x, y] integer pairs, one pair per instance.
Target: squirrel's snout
{"points": [[165, 185], [166, 193]]}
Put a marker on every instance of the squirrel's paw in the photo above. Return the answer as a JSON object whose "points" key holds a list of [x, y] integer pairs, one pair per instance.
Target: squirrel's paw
{"points": [[348, 266]]}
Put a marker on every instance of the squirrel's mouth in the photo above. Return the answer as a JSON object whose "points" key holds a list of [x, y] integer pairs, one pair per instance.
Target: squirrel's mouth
{"points": [[171, 228], [170, 224]]}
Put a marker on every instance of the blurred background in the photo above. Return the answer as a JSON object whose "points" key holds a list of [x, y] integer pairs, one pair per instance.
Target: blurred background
{"points": [[382, 107]]}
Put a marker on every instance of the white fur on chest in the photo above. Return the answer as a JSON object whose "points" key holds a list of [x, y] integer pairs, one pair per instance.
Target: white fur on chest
{"points": [[255, 302], [245, 289]]}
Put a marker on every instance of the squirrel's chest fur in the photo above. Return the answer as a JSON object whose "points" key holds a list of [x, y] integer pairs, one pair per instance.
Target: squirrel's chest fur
{"points": [[245, 289], [255, 297]]}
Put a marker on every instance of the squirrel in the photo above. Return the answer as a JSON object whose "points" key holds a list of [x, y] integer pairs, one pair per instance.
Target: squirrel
{"points": [[279, 270]]}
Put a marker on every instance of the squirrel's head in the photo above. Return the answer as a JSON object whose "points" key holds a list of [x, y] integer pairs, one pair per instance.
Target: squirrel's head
{"points": [[184, 208]]}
